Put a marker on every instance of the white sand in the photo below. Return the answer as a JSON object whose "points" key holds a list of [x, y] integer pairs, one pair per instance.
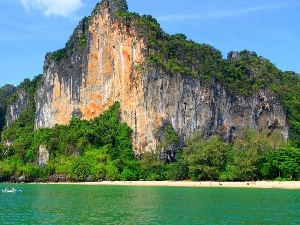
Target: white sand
{"points": [[257, 184]]}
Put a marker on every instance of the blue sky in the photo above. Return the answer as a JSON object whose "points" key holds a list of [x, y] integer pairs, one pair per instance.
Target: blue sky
{"points": [[31, 28]]}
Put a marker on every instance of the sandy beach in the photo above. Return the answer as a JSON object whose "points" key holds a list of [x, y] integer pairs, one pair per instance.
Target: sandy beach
{"points": [[257, 184]]}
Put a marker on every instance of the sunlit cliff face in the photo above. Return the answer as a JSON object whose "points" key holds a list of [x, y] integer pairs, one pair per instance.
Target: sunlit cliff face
{"points": [[108, 73]]}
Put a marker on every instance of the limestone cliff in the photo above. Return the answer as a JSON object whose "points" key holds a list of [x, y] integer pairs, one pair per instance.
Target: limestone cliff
{"points": [[17, 106], [100, 65], [5, 93]]}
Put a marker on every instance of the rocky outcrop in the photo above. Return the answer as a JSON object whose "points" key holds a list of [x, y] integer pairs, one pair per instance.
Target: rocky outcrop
{"points": [[43, 156], [106, 70], [115, 5], [17, 106], [5, 93], [190, 106]]}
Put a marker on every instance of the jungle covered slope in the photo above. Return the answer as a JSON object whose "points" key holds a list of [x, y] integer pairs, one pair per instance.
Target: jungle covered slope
{"points": [[101, 148]]}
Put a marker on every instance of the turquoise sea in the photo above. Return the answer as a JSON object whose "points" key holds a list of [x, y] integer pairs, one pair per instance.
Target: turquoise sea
{"points": [[95, 204]]}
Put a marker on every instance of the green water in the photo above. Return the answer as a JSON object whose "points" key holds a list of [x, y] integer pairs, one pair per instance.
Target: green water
{"points": [[92, 204]]}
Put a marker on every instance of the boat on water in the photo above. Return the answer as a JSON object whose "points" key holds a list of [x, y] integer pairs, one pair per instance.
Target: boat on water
{"points": [[13, 190]]}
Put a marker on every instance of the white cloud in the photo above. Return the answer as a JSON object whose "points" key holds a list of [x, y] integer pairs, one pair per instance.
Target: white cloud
{"points": [[63, 8]]}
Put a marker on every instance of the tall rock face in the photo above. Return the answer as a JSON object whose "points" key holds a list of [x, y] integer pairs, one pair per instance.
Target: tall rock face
{"points": [[60, 93], [16, 107], [92, 77], [5, 93]]}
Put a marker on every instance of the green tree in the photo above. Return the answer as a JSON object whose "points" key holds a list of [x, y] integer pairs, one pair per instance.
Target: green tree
{"points": [[112, 172], [30, 171], [80, 169], [152, 168], [98, 171], [205, 159], [283, 163], [176, 171], [249, 151], [129, 174]]}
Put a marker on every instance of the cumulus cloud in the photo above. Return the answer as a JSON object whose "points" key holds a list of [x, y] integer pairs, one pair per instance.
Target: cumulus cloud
{"points": [[63, 8]]}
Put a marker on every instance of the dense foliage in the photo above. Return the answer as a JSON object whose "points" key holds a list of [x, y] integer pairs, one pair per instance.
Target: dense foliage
{"points": [[99, 148], [253, 156]]}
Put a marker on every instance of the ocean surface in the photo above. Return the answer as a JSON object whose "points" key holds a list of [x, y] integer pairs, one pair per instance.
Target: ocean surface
{"points": [[95, 204]]}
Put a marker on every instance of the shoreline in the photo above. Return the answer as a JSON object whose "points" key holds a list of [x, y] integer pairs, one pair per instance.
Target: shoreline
{"points": [[243, 184]]}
